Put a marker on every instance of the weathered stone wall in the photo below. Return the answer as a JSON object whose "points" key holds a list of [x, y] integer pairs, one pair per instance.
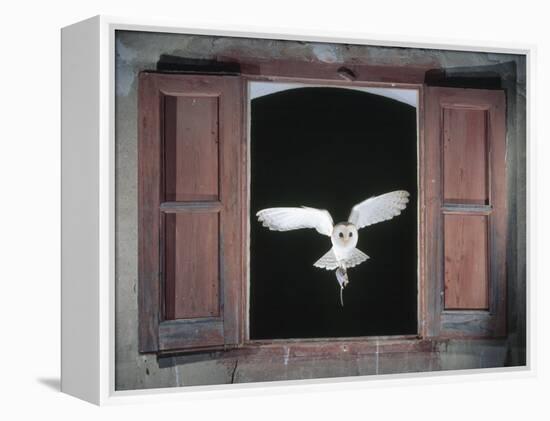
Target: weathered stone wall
{"points": [[137, 51]]}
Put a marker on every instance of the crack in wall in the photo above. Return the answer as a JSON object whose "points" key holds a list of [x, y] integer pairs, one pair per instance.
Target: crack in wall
{"points": [[234, 371]]}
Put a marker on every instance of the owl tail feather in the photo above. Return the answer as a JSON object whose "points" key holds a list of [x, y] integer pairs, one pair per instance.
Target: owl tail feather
{"points": [[329, 261], [342, 278]]}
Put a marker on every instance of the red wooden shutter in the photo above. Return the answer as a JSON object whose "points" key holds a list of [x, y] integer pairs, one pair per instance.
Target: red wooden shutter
{"points": [[465, 196], [190, 204]]}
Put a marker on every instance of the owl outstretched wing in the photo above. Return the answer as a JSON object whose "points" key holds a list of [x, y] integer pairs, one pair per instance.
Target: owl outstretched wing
{"points": [[286, 219], [378, 208]]}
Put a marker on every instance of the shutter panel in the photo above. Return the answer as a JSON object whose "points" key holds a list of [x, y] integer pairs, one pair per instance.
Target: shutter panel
{"points": [[465, 196], [190, 212]]}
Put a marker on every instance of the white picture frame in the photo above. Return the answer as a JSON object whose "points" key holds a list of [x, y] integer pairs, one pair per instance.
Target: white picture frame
{"points": [[88, 218]]}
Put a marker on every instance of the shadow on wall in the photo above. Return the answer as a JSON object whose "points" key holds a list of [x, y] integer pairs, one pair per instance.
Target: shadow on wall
{"points": [[53, 383]]}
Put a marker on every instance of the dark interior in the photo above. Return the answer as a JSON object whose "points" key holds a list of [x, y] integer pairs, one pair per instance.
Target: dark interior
{"points": [[331, 148]]}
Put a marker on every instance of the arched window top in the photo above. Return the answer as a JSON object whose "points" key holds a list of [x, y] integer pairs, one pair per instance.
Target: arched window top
{"points": [[406, 96]]}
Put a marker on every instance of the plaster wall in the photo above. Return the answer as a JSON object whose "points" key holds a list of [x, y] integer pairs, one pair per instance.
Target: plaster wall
{"points": [[138, 51]]}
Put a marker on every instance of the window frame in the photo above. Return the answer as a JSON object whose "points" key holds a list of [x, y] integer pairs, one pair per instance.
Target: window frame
{"points": [[328, 343], [427, 337]]}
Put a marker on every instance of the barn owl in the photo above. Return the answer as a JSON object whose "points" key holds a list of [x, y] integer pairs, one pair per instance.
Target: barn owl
{"points": [[344, 235]]}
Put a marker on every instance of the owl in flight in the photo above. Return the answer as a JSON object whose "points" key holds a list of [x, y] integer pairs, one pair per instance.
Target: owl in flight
{"points": [[344, 235]]}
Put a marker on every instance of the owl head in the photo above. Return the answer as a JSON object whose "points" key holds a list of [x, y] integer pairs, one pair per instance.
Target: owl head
{"points": [[345, 235]]}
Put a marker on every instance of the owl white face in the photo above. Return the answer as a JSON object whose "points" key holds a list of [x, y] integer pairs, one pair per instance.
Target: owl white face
{"points": [[344, 236]]}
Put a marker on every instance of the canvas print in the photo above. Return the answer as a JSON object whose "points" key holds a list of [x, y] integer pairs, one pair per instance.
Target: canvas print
{"points": [[291, 210]]}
